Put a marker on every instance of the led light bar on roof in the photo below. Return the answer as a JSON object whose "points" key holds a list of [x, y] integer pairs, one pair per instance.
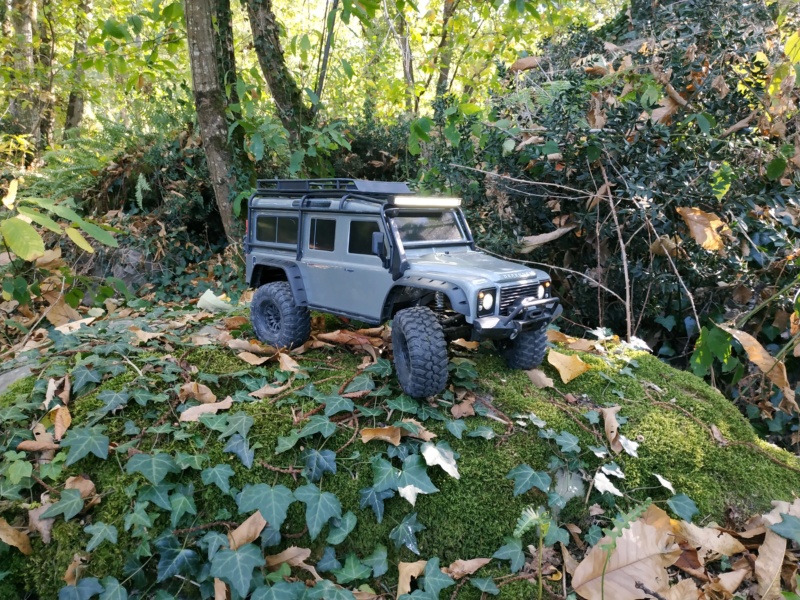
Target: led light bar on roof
{"points": [[427, 202]]}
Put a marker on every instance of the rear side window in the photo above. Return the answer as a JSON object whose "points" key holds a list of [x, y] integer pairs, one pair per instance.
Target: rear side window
{"points": [[276, 230], [322, 234], [361, 236]]}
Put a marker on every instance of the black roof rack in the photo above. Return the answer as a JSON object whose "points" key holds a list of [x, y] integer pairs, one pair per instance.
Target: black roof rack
{"points": [[305, 186]]}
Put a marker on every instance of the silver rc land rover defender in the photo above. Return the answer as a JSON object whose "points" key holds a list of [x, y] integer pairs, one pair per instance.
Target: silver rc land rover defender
{"points": [[374, 251]]}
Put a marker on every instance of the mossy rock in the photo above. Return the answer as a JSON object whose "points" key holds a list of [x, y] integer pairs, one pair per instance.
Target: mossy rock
{"points": [[668, 412]]}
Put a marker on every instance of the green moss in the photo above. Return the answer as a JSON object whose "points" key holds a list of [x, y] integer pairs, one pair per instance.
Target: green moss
{"points": [[468, 517], [20, 388]]}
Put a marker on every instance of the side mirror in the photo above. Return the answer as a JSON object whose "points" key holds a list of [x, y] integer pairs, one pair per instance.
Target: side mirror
{"points": [[378, 244]]}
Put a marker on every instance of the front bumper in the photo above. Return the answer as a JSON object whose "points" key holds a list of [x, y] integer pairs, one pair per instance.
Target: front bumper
{"points": [[524, 315]]}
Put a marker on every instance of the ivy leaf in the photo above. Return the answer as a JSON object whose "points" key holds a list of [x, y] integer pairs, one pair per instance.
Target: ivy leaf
{"points": [[69, 505], [83, 590], [381, 368], [190, 461], [320, 507], [512, 550], [328, 562], [486, 585], [318, 424], [327, 590], [212, 541], [385, 476], [84, 440], [405, 534], [239, 422], [181, 504], [153, 467], [281, 591], [113, 590], [353, 570], [157, 494], [100, 532], [219, 476], [238, 445], [482, 431], [435, 581], [775, 168], [404, 404], [138, 516], [789, 527], [335, 404], [526, 478], [370, 497], [82, 376], [360, 383], [235, 567], [339, 531], [415, 472], [568, 442], [683, 506], [319, 462], [456, 427], [174, 558], [113, 401], [271, 501], [377, 561]]}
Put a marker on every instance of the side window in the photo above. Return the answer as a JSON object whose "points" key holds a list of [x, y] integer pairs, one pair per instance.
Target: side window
{"points": [[322, 234], [276, 230], [361, 236]]}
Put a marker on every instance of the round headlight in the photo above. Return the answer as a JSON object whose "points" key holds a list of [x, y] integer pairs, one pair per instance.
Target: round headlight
{"points": [[540, 292], [487, 302]]}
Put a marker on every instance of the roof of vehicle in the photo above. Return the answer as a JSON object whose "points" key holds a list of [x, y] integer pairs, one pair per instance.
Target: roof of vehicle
{"points": [[331, 186]]}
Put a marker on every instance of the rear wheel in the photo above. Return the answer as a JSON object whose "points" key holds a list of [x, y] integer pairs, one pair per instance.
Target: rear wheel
{"points": [[276, 319], [527, 350], [420, 352]]}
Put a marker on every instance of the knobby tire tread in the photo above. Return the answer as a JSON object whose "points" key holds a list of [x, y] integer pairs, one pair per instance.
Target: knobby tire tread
{"points": [[295, 320], [427, 352]]}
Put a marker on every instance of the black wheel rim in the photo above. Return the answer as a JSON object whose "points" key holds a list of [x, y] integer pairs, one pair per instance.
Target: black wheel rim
{"points": [[272, 317]]}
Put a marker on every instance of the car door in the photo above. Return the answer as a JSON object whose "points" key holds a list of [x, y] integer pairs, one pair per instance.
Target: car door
{"points": [[344, 276]]}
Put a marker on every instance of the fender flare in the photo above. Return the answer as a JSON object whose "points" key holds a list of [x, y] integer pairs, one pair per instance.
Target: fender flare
{"points": [[293, 276], [454, 292]]}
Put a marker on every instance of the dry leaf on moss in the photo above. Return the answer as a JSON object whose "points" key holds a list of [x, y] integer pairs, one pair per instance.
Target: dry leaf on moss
{"points": [[407, 571], [773, 369], [269, 391], [37, 446], [421, 434], [198, 391], [192, 414], [642, 553], [36, 523], [62, 313], [557, 336], [568, 366], [75, 568], [570, 564], [15, 538], [248, 531], [235, 322], [704, 227], [386, 434], [287, 363], [612, 427], [461, 568], [466, 344], [711, 543], [539, 379], [436, 455], [144, 336], [294, 557], [253, 359], [61, 420]]}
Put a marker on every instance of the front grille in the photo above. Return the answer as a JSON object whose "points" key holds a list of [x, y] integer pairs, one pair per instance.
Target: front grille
{"points": [[509, 295]]}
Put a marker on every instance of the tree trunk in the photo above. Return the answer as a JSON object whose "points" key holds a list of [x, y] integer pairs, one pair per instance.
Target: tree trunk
{"points": [[288, 97], [403, 40], [75, 104], [209, 98], [445, 50], [21, 109], [47, 48], [323, 68]]}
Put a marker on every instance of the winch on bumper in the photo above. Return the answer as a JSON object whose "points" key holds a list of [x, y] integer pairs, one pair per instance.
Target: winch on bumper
{"points": [[524, 314]]}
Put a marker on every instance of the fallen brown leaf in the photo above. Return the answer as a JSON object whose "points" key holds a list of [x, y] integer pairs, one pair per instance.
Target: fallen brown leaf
{"points": [[531, 242], [422, 433], [570, 564], [294, 557], [556, 336], [461, 568], [235, 322], [37, 446], [568, 366], [43, 526], [252, 359], [704, 227], [524, 64], [389, 434], [193, 413], [197, 391], [86, 488], [248, 531], [466, 344], [142, 336], [612, 427], [287, 363], [268, 390], [408, 571], [73, 326], [709, 541], [61, 421], [685, 589], [75, 568], [539, 379], [221, 591], [15, 538], [61, 313]]}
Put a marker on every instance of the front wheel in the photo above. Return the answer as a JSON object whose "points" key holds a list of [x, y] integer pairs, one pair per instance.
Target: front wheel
{"points": [[527, 350], [420, 352], [276, 319]]}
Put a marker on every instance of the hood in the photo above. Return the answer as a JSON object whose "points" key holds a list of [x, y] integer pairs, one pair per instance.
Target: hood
{"points": [[470, 265]]}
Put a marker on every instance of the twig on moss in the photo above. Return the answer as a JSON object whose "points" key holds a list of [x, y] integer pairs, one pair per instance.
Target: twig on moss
{"points": [[294, 536], [46, 486], [293, 471], [459, 585], [352, 437], [204, 526]]}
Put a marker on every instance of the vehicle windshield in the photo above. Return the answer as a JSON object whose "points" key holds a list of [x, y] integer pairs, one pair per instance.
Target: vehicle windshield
{"points": [[429, 227]]}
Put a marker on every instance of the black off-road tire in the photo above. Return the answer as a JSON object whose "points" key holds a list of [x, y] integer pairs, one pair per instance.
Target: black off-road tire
{"points": [[420, 352], [276, 319], [527, 350]]}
